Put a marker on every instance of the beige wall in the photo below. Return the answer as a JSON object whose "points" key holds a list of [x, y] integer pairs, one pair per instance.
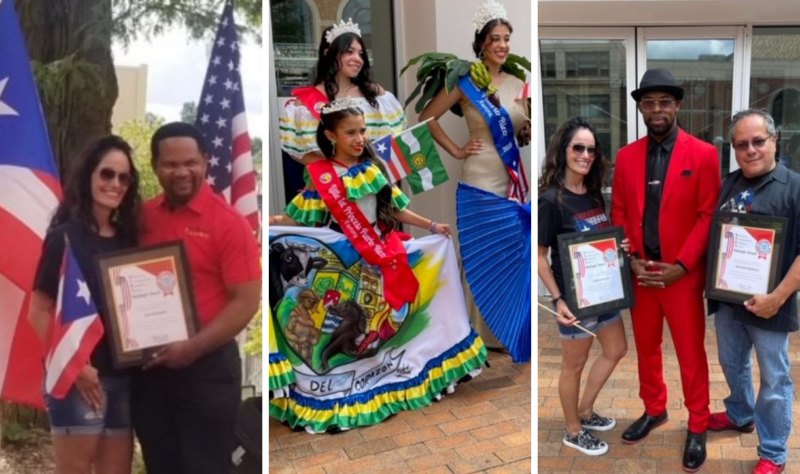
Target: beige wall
{"points": [[446, 26], [132, 94]]}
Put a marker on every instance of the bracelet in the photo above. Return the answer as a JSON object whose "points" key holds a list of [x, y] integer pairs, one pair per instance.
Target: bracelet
{"points": [[432, 228], [557, 299]]}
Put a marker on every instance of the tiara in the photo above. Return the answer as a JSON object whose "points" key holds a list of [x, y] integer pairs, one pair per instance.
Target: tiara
{"points": [[342, 28], [491, 10], [340, 104]]}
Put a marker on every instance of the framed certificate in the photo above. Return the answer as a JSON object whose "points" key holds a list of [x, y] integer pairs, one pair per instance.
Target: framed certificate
{"points": [[744, 255], [597, 277], [149, 301]]}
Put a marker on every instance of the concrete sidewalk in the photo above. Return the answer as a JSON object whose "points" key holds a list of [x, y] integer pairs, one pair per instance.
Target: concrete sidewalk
{"points": [[662, 450], [484, 427]]}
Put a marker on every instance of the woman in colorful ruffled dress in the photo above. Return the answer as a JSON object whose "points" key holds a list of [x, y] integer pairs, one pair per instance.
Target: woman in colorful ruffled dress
{"points": [[372, 322], [491, 157], [343, 71]]}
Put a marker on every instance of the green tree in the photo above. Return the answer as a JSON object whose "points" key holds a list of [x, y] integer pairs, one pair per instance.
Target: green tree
{"points": [[189, 112], [69, 42], [138, 134]]}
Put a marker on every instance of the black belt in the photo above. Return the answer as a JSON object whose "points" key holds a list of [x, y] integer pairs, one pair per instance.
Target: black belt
{"points": [[334, 226]]}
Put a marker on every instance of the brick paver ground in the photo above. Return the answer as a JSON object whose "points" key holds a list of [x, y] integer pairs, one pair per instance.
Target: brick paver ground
{"points": [[661, 451], [484, 427]]}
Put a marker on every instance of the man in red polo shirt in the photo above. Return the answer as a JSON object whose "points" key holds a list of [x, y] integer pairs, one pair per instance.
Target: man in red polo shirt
{"points": [[184, 403]]}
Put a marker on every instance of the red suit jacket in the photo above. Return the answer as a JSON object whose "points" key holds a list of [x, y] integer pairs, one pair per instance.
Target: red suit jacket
{"points": [[687, 203]]}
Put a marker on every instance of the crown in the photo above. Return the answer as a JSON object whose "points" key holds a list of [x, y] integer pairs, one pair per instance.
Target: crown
{"points": [[340, 104], [491, 10], [342, 28]]}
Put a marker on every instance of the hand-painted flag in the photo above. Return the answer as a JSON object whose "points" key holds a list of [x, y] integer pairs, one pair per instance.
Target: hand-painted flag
{"points": [[76, 330], [222, 119], [427, 170], [387, 150], [29, 192], [525, 93]]}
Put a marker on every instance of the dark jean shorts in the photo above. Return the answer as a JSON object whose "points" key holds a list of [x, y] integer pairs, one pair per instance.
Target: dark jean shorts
{"points": [[73, 416], [593, 324]]}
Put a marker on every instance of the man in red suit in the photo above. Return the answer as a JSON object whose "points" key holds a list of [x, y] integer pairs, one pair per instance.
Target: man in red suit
{"points": [[665, 191]]}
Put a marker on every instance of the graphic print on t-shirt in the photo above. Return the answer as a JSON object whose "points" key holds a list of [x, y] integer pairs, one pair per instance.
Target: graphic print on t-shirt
{"points": [[741, 202], [590, 220]]}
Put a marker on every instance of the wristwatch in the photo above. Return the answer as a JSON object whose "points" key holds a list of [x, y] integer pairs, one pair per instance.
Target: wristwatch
{"points": [[557, 299]]}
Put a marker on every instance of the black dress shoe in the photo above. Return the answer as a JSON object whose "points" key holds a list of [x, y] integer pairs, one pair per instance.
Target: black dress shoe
{"points": [[641, 427], [694, 454]]}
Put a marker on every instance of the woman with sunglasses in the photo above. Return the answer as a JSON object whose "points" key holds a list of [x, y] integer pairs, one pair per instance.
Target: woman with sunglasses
{"points": [[571, 200], [89, 411]]}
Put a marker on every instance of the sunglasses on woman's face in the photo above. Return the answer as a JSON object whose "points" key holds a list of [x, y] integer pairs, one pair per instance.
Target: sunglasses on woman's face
{"points": [[108, 175], [578, 149]]}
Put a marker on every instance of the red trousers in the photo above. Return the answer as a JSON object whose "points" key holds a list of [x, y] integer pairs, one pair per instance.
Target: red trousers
{"points": [[683, 308]]}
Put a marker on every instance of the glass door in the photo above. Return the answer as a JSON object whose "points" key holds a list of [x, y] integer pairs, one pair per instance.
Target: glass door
{"points": [[707, 64]]}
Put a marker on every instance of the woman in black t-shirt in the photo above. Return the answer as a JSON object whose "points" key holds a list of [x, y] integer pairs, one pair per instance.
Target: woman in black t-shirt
{"points": [[571, 200], [89, 410]]}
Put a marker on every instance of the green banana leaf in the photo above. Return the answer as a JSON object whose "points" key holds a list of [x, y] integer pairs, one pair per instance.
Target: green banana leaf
{"points": [[439, 70]]}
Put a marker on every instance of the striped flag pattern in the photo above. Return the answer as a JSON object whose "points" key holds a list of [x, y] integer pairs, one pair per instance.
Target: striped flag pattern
{"points": [[387, 150], [76, 330], [427, 170], [222, 119], [29, 193]]}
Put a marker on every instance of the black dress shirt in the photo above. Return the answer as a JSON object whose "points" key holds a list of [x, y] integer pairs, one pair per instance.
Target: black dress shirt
{"points": [[658, 156]]}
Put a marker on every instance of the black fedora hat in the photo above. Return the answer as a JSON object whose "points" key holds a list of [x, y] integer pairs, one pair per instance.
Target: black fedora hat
{"points": [[657, 80]]}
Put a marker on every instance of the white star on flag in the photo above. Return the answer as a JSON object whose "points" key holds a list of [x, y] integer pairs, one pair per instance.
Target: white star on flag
{"points": [[216, 60], [209, 99], [745, 194], [217, 142], [210, 180], [221, 42], [212, 80], [204, 118], [83, 291], [226, 104], [228, 84], [214, 161], [221, 123], [381, 148], [5, 109]]}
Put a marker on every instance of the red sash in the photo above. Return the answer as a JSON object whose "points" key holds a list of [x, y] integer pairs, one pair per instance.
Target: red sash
{"points": [[400, 285], [312, 98]]}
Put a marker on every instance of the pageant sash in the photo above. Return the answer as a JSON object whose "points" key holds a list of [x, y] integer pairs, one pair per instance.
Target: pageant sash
{"points": [[503, 134], [400, 284], [312, 98]]}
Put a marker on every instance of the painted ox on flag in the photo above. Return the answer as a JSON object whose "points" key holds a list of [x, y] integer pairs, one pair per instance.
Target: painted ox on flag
{"points": [[322, 323], [29, 192]]}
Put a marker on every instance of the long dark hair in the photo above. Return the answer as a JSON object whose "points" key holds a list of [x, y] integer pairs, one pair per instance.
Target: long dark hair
{"points": [[480, 36], [78, 203], [329, 64], [329, 122], [555, 161]]}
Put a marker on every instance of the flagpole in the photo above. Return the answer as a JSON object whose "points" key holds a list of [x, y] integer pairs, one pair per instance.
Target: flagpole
{"points": [[417, 125], [577, 325]]}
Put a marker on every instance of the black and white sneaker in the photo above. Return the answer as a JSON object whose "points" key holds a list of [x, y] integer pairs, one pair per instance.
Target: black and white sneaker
{"points": [[599, 423], [586, 443]]}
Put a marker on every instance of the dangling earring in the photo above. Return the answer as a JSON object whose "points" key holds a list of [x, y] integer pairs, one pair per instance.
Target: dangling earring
{"points": [[333, 142], [332, 71], [482, 55]]}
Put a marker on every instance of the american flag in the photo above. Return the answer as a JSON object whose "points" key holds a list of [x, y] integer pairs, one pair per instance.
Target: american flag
{"points": [[223, 121], [76, 330], [387, 150], [29, 192]]}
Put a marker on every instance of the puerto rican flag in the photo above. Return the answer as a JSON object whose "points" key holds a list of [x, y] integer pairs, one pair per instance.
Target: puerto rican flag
{"points": [[222, 119], [76, 331], [29, 193], [387, 150]]}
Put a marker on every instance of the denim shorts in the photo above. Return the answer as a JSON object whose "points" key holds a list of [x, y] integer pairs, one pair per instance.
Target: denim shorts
{"points": [[593, 324], [71, 415]]}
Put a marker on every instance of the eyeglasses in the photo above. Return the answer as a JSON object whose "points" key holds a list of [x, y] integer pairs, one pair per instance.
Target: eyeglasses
{"points": [[108, 175], [578, 149], [663, 104], [758, 144]]}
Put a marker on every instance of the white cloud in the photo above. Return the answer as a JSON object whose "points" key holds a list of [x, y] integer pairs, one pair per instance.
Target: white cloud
{"points": [[176, 67]]}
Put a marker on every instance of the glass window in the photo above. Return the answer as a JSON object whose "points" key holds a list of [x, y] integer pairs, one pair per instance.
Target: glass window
{"points": [[588, 64], [775, 85], [361, 12], [295, 47], [600, 95], [548, 65]]}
